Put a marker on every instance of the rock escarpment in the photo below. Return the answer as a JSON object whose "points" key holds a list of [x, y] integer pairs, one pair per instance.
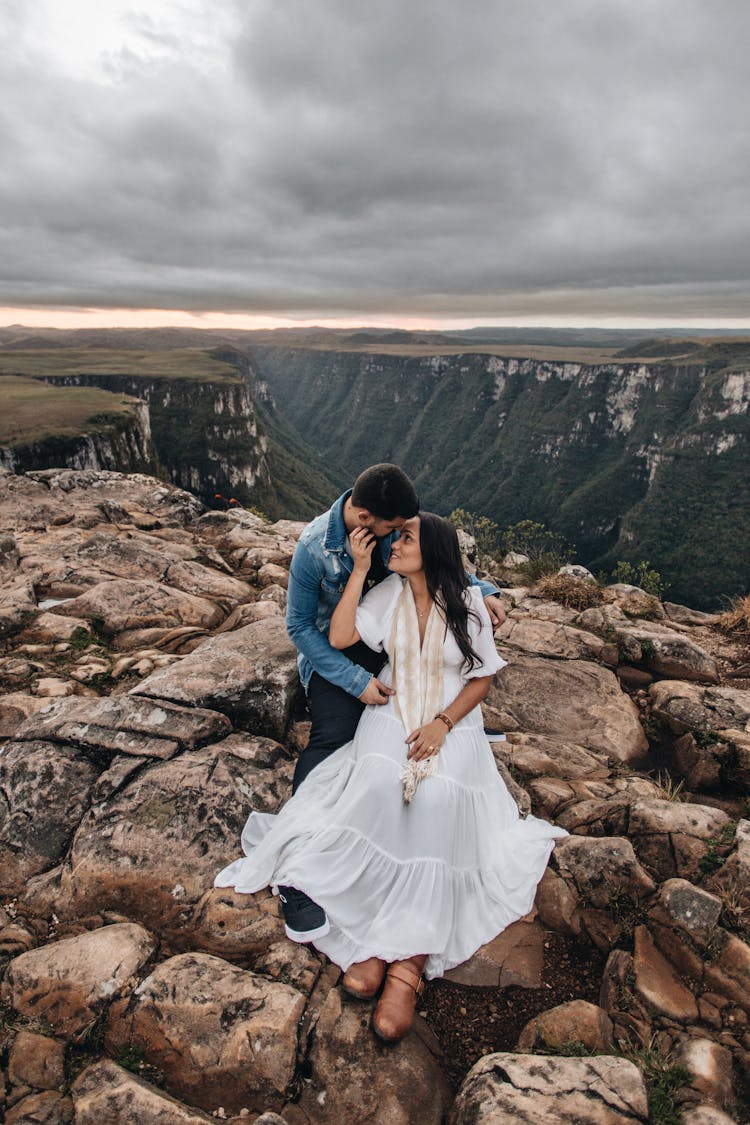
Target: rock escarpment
{"points": [[629, 460], [151, 700]]}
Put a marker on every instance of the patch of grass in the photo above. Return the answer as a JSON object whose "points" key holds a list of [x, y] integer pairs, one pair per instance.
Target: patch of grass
{"points": [[670, 790], [34, 410], [627, 910], [663, 1080], [170, 363], [705, 738], [576, 593], [711, 861], [131, 1058]]}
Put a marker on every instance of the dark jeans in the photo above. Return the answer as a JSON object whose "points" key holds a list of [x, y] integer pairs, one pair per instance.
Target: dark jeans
{"points": [[334, 713]]}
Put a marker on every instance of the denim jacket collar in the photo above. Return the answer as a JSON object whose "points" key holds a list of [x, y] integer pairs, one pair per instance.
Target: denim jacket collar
{"points": [[336, 533], [335, 539]]}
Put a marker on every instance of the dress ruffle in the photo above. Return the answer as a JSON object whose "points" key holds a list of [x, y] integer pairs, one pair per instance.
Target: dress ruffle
{"points": [[440, 876]]}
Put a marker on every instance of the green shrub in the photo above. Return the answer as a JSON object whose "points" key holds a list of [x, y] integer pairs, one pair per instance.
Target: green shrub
{"points": [[641, 575], [486, 533]]}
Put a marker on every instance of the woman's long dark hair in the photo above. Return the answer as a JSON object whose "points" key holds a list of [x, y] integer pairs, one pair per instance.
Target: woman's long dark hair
{"points": [[446, 579]]}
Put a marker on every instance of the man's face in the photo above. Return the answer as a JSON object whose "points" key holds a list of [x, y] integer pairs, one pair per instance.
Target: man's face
{"points": [[381, 528]]}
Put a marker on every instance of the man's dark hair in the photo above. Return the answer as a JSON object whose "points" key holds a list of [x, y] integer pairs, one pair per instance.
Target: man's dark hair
{"points": [[386, 492]]}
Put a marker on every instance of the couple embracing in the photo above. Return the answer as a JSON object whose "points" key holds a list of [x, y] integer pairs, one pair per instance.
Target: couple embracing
{"points": [[401, 850]]}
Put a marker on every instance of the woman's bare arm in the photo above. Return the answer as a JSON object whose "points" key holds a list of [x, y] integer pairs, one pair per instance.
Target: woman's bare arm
{"points": [[427, 739]]}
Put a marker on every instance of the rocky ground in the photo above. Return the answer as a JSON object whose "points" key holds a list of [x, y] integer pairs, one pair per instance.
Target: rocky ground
{"points": [[150, 700]]}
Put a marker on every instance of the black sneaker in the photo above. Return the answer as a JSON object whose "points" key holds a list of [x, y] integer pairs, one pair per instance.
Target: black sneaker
{"points": [[305, 920]]}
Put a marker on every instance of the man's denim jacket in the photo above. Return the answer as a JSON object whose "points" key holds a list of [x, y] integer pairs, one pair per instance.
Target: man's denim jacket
{"points": [[319, 572]]}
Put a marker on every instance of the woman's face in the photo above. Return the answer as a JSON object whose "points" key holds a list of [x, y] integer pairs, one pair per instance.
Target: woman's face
{"points": [[406, 556]]}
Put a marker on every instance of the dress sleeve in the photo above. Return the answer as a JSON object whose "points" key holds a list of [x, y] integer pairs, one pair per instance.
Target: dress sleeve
{"points": [[481, 637], [375, 612]]}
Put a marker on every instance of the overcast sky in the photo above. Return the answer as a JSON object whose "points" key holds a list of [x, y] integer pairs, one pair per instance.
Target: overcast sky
{"points": [[544, 159]]}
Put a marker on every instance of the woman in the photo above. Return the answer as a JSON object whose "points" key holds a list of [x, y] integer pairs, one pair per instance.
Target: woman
{"points": [[407, 836]]}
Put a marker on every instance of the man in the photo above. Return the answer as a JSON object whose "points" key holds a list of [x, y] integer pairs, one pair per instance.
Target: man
{"points": [[340, 684]]}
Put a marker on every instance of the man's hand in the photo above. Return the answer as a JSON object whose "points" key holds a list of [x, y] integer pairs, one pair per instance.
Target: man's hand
{"points": [[362, 543], [495, 609], [376, 692]]}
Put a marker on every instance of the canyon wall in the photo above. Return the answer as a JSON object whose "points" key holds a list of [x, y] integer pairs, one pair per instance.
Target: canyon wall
{"points": [[628, 460]]}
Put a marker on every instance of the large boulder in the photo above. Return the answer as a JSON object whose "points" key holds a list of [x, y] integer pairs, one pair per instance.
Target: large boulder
{"points": [[690, 707], [121, 724], [573, 700], [46, 790], [153, 849], [68, 983], [505, 1089], [249, 675], [528, 634], [353, 1078], [602, 869], [221, 1036], [130, 603], [672, 654], [672, 837]]}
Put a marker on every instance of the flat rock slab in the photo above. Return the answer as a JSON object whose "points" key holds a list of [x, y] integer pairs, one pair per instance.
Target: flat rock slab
{"points": [[68, 983], [538, 755], [44, 792], [573, 700], [123, 724], [153, 849], [514, 957], [105, 1093], [657, 985], [125, 603], [552, 639], [506, 1089], [220, 1035], [354, 1078], [249, 675]]}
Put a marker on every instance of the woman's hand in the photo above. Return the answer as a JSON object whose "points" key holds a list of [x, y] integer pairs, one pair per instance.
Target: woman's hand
{"points": [[426, 740], [363, 544]]}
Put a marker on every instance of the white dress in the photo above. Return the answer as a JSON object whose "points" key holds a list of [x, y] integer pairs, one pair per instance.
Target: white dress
{"points": [[442, 875]]}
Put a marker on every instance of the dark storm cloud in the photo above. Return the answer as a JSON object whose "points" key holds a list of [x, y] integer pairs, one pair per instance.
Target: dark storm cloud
{"points": [[499, 157]]}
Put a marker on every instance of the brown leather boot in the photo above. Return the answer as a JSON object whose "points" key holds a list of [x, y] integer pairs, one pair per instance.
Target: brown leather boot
{"points": [[395, 1010], [364, 979]]}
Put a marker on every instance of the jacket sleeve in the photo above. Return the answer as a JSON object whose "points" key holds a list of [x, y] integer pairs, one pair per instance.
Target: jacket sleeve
{"points": [[301, 626], [487, 588]]}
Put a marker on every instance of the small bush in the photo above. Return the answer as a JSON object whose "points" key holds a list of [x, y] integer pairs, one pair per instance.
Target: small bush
{"points": [[486, 533], [569, 591], [537, 541], [641, 575]]}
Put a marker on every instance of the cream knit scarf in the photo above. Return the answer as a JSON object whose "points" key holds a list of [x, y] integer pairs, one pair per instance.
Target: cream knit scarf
{"points": [[417, 677]]}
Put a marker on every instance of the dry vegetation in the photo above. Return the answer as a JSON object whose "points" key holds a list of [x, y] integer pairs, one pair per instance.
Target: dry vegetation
{"points": [[737, 619], [32, 410], [576, 593]]}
